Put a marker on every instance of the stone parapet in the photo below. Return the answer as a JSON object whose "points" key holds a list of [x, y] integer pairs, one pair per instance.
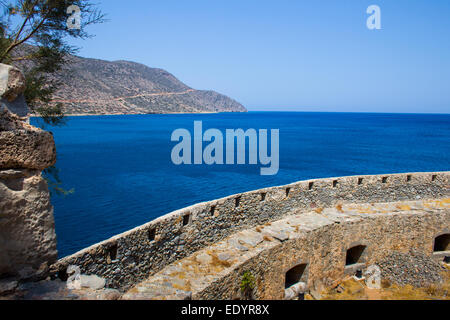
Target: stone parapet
{"points": [[135, 255]]}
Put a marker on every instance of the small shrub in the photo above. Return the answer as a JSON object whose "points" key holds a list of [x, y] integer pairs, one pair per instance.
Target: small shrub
{"points": [[247, 284]]}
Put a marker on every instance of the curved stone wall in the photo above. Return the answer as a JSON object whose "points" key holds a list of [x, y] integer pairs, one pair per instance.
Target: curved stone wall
{"points": [[135, 255], [323, 252]]}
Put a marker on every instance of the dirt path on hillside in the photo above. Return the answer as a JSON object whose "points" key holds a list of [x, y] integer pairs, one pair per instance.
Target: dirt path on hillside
{"points": [[124, 98]]}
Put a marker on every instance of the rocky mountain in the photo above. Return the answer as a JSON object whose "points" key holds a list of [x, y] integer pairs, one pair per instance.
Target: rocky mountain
{"points": [[121, 87]]}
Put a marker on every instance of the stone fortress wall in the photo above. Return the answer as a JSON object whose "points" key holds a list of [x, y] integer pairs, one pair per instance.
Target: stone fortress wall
{"points": [[322, 249], [133, 256]]}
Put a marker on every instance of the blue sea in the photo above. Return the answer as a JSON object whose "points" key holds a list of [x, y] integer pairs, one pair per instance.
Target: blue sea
{"points": [[121, 170]]}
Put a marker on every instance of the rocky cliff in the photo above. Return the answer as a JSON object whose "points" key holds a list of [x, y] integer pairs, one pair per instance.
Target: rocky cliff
{"points": [[92, 86], [27, 231]]}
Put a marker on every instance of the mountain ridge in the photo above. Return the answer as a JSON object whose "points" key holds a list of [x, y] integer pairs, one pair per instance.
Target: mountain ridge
{"points": [[95, 86]]}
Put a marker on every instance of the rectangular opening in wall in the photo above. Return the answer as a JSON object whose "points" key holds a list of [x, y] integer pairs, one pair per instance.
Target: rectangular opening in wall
{"points": [[238, 202], [112, 252], [442, 243], [433, 178], [311, 185], [288, 190], [62, 274], [360, 181], [354, 255], [213, 210], [295, 275], [408, 178], [186, 219], [384, 179], [335, 183], [263, 196], [151, 234]]}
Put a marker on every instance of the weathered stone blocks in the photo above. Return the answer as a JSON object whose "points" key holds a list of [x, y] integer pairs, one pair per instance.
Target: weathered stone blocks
{"points": [[27, 231], [12, 86], [28, 148]]}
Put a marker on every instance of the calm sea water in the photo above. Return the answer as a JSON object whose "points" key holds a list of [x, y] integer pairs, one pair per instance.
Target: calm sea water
{"points": [[121, 170]]}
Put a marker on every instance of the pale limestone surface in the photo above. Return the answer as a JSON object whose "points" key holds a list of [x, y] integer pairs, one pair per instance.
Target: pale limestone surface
{"points": [[12, 86], [27, 231]]}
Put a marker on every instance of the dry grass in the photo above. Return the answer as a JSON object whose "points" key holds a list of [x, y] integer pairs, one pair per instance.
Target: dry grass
{"points": [[220, 263], [339, 208], [385, 283], [403, 207], [355, 290], [319, 210], [186, 287]]}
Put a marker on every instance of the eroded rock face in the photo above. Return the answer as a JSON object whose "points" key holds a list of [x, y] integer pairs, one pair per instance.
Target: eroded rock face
{"points": [[27, 230], [12, 86], [25, 147], [22, 146]]}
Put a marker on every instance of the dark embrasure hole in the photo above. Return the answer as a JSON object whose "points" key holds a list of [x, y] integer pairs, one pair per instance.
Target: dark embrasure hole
{"points": [[62, 274], [112, 252], [354, 255], [238, 202], [151, 234], [295, 275], [442, 243], [186, 219]]}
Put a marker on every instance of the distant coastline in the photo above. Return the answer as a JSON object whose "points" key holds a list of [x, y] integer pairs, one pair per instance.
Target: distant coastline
{"points": [[93, 87], [130, 114], [248, 111]]}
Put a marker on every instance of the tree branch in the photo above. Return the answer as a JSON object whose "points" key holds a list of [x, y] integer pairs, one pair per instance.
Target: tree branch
{"points": [[22, 27]]}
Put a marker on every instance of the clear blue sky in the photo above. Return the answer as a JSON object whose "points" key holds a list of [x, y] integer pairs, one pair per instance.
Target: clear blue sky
{"points": [[310, 55]]}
